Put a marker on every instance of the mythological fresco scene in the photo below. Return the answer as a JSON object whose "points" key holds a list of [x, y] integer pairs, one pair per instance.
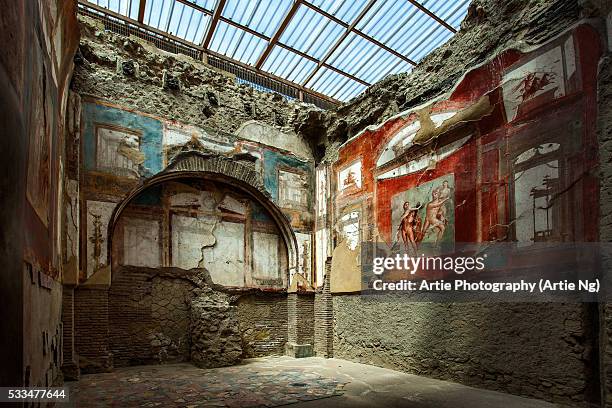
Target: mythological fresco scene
{"points": [[315, 203]]}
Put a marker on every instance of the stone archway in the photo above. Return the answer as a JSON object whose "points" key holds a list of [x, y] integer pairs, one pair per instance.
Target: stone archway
{"points": [[237, 170]]}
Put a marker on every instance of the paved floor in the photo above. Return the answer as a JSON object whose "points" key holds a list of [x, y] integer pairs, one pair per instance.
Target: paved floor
{"points": [[277, 381]]}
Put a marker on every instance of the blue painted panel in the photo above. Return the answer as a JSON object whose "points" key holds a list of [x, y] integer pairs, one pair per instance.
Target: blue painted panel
{"points": [[150, 140], [272, 161]]}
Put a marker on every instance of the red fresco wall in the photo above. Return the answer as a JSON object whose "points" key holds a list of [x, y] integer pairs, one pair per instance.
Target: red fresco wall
{"points": [[573, 112]]}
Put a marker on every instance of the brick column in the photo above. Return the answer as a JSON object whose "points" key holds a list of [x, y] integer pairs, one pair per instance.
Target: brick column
{"points": [[92, 329], [324, 318], [300, 313], [70, 368]]}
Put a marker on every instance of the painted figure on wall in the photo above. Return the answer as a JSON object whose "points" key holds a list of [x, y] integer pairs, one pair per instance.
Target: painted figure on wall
{"points": [[536, 82], [349, 178], [431, 219], [409, 230], [435, 213]]}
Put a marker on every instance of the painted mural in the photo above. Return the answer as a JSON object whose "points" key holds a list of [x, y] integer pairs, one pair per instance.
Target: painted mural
{"points": [[292, 189], [425, 213], [121, 148], [473, 166], [349, 178], [98, 215], [118, 151], [195, 223], [540, 80]]}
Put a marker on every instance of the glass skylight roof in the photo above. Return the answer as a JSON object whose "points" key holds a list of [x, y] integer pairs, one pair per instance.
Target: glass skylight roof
{"points": [[333, 47]]}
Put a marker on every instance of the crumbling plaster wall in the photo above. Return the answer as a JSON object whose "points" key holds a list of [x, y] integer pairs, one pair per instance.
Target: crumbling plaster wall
{"points": [[206, 97]]}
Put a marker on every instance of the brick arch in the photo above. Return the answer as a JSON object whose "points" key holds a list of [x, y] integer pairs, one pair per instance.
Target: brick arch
{"points": [[237, 171]]}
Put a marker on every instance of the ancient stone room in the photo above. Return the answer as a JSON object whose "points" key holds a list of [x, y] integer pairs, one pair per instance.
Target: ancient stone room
{"points": [[309, 203]]}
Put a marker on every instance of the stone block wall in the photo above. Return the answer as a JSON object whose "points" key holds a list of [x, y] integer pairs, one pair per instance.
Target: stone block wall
{"points": [[537, 350]]}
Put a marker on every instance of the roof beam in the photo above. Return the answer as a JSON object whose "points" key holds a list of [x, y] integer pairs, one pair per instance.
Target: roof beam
{"points": [[432, 15], [339, 41], [213, 23], [278, 33], [141, 11]]}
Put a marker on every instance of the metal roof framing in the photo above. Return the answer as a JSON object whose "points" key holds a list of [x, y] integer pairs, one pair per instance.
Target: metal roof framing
{"points": [[273, 40]]}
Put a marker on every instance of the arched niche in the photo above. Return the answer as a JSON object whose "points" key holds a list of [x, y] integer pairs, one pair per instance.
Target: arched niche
{"points": [[237, 171]]}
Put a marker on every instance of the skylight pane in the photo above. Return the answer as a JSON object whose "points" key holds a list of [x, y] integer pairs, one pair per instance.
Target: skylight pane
{"points": [[326, 80], [263, 16], [288, 65], [311, 32], [199, 28], [237, 44], [345, 10], [340, 85], [353, 51], [455, 15], [378, 67], [408, 31], [435, 36], [180, 21], [207, 4], [133, 6], [384, 15], [157, 13]]}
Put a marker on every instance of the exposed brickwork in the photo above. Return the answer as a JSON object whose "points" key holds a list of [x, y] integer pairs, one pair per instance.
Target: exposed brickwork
{"points": [[69, 366], [263, 324], [145, 318], [300, 311], [240, 170], [324, 318], [130, 314], [91, 329]]}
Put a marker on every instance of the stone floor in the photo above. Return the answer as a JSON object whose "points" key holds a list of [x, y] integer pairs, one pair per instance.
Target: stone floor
{"points": [[277, 381]]}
